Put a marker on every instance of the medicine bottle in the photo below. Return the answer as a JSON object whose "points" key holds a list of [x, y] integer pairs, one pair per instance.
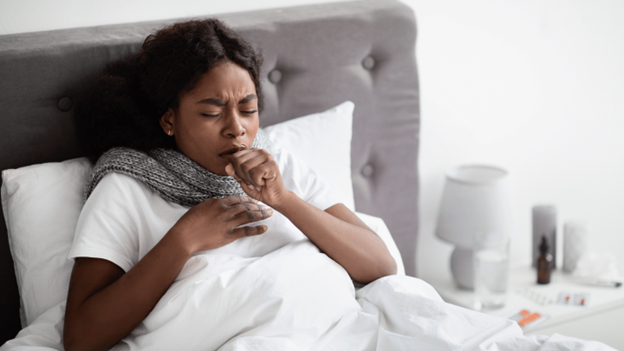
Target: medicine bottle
{"points": [[544, 263]]}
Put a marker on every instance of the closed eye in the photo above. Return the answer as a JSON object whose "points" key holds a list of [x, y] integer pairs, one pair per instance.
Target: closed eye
{"points": [[249, 112], [210, 115]]}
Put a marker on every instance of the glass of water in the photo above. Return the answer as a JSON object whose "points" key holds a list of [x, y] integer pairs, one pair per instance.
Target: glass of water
{"points": [[491, 273]]}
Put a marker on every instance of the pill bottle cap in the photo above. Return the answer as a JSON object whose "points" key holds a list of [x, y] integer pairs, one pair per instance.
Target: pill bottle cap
{"points": [[543, 246]]}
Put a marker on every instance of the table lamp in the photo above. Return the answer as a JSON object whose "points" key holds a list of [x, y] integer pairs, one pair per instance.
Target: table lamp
{"points": [[474, 212]]}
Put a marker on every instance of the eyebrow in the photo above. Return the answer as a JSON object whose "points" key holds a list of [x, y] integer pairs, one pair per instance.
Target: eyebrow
{"points": [[212, 101], [248, 98], [220, 103]]}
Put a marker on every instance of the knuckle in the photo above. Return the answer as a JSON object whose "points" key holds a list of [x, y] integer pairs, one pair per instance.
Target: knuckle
{"points": [[255, 171], [250, 231], [253, 176], [229, 218], [245, 167], [250, 215], [257, 180]]}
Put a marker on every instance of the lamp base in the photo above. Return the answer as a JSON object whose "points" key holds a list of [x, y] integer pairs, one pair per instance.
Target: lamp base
{"points": [[462, 268]]}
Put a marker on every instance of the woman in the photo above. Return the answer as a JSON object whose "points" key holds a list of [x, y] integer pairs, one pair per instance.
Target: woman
{"points": [[180, 114]]}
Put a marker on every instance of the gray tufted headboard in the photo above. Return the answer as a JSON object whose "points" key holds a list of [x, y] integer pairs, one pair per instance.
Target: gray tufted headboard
{"points": [[315, 58]]}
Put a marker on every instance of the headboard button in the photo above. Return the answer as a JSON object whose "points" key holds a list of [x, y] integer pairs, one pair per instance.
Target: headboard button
{"points": [[65, 104], [368, 62], [275, 76], [368, 170]]}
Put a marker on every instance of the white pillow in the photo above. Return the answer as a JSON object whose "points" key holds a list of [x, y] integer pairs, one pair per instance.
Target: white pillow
{"points": [[42, 203], [328, 152]]}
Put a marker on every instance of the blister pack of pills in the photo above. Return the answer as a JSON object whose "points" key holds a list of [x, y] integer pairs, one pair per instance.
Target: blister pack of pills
{"points": [[573, 299], [527, 319], [536, 296]]}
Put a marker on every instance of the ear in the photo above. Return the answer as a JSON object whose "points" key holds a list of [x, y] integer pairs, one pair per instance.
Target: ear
{"points": [[167, 122]]}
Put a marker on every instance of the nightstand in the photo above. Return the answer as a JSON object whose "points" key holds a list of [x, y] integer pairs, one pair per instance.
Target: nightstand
{"points": [[600, 319]]}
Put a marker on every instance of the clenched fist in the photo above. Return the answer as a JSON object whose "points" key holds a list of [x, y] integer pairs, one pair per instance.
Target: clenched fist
{"points": [[259, 176]]}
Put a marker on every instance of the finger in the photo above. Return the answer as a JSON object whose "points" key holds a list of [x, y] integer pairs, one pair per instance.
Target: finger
{"points": [[237, 209], [237, 159], [253, 171], [244, 163], [229, 170], [237, 199], [246, 188], [249, 231], [244, 184], [249, 216], [261, 173]]}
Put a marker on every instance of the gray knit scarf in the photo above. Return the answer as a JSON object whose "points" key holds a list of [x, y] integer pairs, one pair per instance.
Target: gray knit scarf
{"points": [[169, 173]]}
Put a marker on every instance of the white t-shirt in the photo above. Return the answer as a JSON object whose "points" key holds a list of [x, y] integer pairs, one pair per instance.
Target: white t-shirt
{"points": [[123, 219]]}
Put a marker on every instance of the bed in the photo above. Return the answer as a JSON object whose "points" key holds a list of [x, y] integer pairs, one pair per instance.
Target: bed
{"points": [[315, 57]]}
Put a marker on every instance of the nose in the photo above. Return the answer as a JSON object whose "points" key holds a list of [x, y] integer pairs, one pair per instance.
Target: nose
{"points": [[234, 127]]}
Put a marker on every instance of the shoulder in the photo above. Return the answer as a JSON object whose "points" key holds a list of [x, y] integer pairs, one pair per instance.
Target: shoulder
{"points": [[119, 192], [110, 222], [116, 185]]}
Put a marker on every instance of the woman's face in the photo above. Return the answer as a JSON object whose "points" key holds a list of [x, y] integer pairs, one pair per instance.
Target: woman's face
{"points": [[217, 118]]}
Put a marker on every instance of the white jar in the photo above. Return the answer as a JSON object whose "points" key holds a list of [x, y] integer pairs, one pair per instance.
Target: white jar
{"points": [[575, 240]]}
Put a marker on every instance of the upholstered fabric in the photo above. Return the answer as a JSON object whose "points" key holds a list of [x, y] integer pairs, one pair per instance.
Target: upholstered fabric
{"points": [[315, 57]]}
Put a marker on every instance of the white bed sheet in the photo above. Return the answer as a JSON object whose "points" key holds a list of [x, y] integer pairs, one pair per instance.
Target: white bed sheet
{"points": [[296, 298]]}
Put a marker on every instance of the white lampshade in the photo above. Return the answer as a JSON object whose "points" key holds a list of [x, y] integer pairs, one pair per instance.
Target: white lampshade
{"points": [[475, 204], [474, 213]]}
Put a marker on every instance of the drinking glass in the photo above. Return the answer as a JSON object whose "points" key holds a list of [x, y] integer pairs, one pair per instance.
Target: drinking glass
{"points": [[491, 273]]}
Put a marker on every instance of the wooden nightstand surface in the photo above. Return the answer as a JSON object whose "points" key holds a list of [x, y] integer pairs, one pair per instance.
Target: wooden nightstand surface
{"points": [[522, 284]]}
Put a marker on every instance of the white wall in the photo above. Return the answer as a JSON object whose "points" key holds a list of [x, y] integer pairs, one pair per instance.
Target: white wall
{"points": [[537, 87], [534, 86]]}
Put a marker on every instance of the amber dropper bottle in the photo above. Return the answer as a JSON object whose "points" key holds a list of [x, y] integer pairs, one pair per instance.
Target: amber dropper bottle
{"points": [[544, 263]]}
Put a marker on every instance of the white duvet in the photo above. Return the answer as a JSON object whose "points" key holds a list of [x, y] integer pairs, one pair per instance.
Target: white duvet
{"points": [[296, 298]]}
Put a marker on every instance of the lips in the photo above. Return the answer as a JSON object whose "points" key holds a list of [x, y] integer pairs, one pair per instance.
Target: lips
{"points": [[232, 150]]}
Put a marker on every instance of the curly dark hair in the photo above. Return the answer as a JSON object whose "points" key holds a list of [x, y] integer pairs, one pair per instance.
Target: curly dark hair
{"points": [[124, 105]]}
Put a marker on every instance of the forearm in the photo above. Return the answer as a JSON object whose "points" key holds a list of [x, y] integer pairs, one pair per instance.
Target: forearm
{"points": [[113, 312], [104, 304], [356, 248]]}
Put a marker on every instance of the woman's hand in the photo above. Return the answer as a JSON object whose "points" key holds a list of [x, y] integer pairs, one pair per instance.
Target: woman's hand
{"points": [[259, 176], [213, 223], [120, 300]]}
